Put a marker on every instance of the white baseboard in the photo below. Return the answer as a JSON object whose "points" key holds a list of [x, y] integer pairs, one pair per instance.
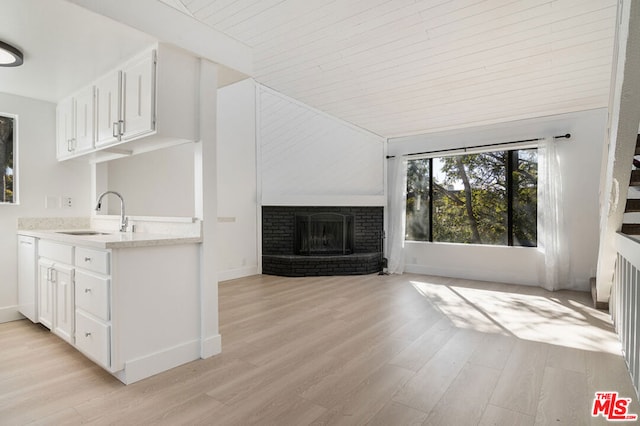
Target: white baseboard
{"points": [[211, 346], [141, 368], [10, 313], [232, 274], [471, 274]]}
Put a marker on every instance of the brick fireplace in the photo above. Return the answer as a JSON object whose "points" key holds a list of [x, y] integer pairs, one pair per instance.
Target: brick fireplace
{"points": [[311, 241]]}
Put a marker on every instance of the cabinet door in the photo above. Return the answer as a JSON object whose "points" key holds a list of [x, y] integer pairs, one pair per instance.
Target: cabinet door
{"points": [[138, 91], [65, 123], [45, 294], [64, 318], [107, 93], [84, 130]]}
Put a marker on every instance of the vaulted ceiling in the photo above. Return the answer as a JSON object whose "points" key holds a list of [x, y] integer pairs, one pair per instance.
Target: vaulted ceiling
{"points": [[401, 67], [394, 67]]}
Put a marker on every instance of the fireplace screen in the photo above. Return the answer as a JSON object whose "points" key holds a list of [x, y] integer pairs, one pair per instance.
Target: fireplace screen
{"points": [[324, 233]]}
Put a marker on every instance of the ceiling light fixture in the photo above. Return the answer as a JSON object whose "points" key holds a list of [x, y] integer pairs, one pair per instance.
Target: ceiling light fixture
{"points": [[9, 55]]}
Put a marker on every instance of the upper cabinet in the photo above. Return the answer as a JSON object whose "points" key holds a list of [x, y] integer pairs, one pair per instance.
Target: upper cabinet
{"points": [[76, 131], [147, 103]]}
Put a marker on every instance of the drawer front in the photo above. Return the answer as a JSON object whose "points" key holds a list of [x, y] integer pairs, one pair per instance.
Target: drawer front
{"points": [[93, 339], [92, 294], [56, 251], [92, 260]]}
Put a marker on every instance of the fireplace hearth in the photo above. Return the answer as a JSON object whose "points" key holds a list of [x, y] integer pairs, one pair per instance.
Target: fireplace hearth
{"points": [[311, 241]]}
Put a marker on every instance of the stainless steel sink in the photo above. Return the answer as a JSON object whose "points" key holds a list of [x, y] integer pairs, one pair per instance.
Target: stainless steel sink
{"points": [[82, 233]]}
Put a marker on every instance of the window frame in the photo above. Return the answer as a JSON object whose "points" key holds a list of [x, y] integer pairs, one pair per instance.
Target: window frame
{"points": [[510, 168], [16, 198]]}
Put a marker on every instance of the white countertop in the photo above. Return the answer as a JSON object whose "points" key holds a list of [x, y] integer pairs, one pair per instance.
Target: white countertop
{"points": [[111, 239]]}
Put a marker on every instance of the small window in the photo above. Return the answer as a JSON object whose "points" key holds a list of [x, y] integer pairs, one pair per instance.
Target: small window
{"points": [[8, 130], [487, 198]]}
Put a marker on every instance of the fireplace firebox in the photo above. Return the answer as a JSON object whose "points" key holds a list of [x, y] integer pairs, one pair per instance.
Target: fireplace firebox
{"points": [[300, 241], [324, 234]]}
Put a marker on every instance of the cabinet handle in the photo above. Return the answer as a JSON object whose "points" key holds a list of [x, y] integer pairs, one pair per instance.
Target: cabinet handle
{"points": [[87, 259], [87, 334], [121, 126], [114, 131], [69, 149], [87, 290]]}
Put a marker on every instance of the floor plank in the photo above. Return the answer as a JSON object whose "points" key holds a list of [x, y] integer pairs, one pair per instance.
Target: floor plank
{"points": [[377, 350]]}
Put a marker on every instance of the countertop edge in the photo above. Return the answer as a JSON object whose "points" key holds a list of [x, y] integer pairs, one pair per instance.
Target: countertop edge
{"points": [[109, 242]]}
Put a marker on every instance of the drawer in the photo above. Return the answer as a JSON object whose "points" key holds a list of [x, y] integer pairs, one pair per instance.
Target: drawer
{"points": [[56, 251], [92, 260], [92, 294], [93, 339]]}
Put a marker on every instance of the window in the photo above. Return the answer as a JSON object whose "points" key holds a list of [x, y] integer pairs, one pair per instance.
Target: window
{"points": [[485, 198], [7, 159]]}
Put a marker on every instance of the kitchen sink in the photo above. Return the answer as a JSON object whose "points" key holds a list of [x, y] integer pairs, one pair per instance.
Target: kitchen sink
{"points": [[83, 233]]}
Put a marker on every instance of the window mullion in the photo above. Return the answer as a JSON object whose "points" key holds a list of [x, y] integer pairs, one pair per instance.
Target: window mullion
{"points": [[431, 199], [510, 170]]}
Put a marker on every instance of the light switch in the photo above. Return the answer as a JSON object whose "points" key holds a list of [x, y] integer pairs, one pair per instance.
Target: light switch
{"points": [[51, 202]]}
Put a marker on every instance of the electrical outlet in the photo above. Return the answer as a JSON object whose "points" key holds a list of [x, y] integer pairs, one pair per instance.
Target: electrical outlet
{"points": [[67, 202]]}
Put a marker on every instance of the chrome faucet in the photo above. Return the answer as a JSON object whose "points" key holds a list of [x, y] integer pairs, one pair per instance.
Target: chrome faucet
{"points": [[123, 219]]}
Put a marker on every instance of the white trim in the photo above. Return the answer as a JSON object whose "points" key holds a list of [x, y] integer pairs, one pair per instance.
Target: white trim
{"points": [[232, 274], [259, 201], [326, 200], [211, 346], [471, 274], [143, 367], [10, 313]]}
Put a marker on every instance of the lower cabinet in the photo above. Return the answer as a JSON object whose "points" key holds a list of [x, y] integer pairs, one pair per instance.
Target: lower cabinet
{"points": [[93, 338], [129, 310], [56, 305], [93, 314]]}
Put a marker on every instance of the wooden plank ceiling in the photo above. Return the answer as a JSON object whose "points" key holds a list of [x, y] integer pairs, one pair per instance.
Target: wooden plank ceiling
{"points": [[403, 67]]}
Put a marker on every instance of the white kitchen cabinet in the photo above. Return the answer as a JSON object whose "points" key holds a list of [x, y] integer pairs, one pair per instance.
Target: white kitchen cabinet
{"points": [[93, 304], [56, 296], [147, 103], [128, 309], [126, 101], [75, 118], [138, 96], [64, 306], [45, 294], [108, 109], [28, 277]]}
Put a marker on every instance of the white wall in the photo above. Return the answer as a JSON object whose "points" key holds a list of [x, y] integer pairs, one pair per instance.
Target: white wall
{"points": [[580, 159], [310, 158], [156, 183], [40, 175], [237, 242]]}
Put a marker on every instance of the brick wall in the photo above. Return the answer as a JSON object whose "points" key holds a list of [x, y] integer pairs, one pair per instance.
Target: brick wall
{"points": [[279, 222], [278, 243]]}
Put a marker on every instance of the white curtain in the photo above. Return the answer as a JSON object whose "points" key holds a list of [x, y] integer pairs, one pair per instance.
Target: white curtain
{"points": [[397, 216], [552, 241]]}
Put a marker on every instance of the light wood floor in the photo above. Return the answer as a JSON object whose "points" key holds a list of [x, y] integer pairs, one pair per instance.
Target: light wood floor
{"points": [[378, 350]]}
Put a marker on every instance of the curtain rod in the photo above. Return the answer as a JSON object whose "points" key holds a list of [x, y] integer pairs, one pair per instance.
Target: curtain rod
{"points": [[565, 136]]}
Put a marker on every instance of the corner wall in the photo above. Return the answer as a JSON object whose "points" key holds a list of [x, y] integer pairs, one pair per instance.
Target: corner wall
{"points": [[580, 159], [39, 175], [237, 243]]}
